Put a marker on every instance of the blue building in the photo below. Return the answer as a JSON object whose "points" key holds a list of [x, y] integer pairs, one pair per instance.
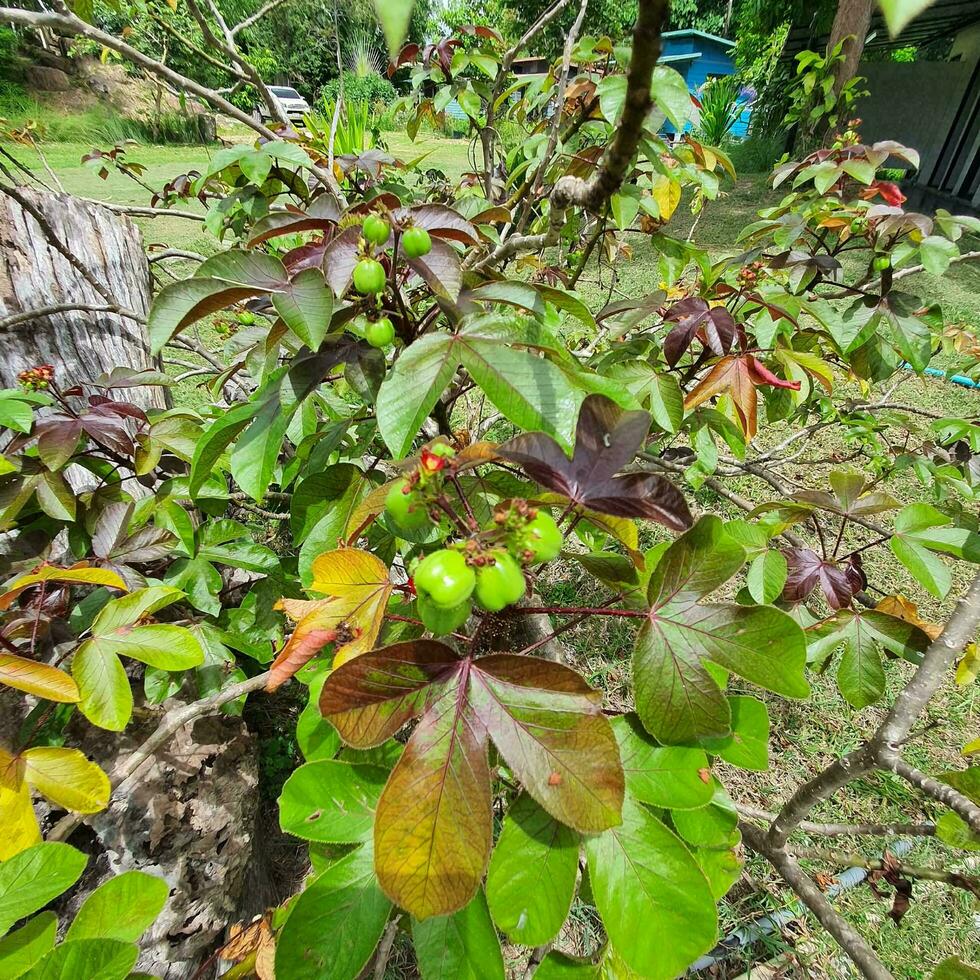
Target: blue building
{"points": [[699, 57]]}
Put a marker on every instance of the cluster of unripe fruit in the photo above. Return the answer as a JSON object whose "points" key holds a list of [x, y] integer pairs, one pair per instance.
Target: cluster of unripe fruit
{"points": [[369, 273], [487, 567]]}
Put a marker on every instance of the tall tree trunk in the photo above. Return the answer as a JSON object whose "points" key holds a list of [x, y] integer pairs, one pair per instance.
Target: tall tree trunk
{"points": [[851, 26], [35, 274]]}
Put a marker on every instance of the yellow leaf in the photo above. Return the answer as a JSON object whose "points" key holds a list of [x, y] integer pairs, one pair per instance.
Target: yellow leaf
{"points": [[367, 510], [80, 574], [902, 608], [972, 748], [20, 828], [41, 680], [357, 590], [968, 669], [67, 778], [667, 193]]}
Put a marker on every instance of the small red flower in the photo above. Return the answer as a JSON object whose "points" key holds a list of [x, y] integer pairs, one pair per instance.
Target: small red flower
{"points": [[431, 462], [891, 192]]}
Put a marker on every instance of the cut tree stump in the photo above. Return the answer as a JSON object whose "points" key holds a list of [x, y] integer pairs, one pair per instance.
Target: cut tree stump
{"points": [[34, 274]]}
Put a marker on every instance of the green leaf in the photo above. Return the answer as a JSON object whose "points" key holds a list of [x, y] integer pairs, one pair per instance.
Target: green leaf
{"points": [[133, 607], [676, 696], [655, 902], [952, 829], [534, 298], [860, 170], [319, 494], [936, 254], [412, 388], [748, 745], [767, 576], [666, 401], [159, 645], [22, 948], [461, 946], [316, 737], [662, 775], [16, 415], [35, 876], [254, 457], [714, 825], [954, 968], [107, 700], [394, 17], [55, 497], [335, 923], [898, 13], [215, 441], [928, 570], [531, 880], [104, 959], [331, 802], [861, 676], [669, 90], [123, 908], [306, 306], [561, 966], [612, 96], [722, 868], [529, 390]]}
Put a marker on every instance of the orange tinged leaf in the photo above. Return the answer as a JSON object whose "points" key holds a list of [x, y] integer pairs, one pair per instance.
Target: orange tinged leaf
{"points": [[737, 377], [357, 588], [41, 680], [80, 574], [902, 608]]}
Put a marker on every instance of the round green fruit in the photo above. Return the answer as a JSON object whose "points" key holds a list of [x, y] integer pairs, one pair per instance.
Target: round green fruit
{"points": [[380, 332], [369, 276], [500, 584], [882, 262], [416, 242], [859, 226], [407, 510], [445, 578], [438, 620], [542, 537], [375, 229]]}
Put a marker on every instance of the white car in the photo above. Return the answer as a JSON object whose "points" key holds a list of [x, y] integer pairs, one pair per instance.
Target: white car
{"points": [[293, 104]]}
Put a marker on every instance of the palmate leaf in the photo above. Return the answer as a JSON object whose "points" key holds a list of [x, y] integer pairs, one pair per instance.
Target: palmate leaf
{"points": [[655, 902], [34, 877], [606, 440], [531, 879], [122, 908], [806, 570], [41, 680], [860, 674], [677, 698], [357, 587], [433, 825], [528, 389], [463, 945], [738, 377]]}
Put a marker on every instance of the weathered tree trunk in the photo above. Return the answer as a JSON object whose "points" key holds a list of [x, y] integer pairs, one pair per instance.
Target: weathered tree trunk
{"points": [[35, 274], [851, 23]]}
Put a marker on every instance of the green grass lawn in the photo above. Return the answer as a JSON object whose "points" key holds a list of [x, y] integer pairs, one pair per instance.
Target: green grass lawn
{"points": [[805, 734]]}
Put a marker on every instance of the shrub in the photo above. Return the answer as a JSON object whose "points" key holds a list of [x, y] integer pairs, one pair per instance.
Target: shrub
{"points": [[368, 88]]}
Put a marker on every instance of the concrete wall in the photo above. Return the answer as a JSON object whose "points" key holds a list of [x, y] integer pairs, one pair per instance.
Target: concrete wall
{"points": [[913, 103]]}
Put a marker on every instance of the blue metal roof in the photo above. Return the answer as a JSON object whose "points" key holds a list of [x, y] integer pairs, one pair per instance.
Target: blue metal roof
{"points": [[692, 33], [667, 58]]}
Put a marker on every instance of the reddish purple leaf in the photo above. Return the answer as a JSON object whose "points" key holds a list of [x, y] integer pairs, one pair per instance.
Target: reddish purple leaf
{"points": [[607, 439], [839, 582], [695, 319]]}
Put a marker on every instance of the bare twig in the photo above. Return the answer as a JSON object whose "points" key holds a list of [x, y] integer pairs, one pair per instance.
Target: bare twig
{"points": [[846, 829], [942, 792], [850, 940], [852, 860], [16, 319], [172, 722]]}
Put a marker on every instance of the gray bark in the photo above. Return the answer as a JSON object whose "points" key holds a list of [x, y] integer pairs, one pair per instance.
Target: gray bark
{"points": [[34, 274]]}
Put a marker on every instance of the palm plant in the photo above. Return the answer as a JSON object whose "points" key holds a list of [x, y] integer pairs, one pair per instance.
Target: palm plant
{"points": [[723, 100]]}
